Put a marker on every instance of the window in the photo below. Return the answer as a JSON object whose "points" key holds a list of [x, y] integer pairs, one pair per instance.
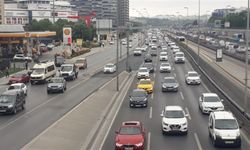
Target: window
{"points": [[14, 21], [8, 20], [20, 21], [51, 68]]}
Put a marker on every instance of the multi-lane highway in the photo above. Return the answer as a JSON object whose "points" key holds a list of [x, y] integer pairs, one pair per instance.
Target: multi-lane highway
{"points": [[42, 110], [187, 97]]}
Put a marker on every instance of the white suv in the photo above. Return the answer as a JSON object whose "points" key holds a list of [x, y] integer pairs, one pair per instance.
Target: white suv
{"points": [[179, 57], [137, 51], [192, 77], [165, 67], [163, 56], [209, 102], [223, 129], [174, 120], [143, 73]]}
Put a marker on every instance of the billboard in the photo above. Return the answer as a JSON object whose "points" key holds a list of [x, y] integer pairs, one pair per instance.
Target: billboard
{"points": [[67, 35]]}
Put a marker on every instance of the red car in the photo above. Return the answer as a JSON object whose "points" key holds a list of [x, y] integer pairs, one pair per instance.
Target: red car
{"points": [[130, 136], [19, 78]]}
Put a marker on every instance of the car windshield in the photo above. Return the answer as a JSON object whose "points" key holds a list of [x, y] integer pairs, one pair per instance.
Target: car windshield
{"points": [[38, 70], [56, 80], [170, 80], [226, 124], [193, 74], [66, 68], [79, 61], [12, 87], [164, 64], [143, 70], [130, 130], [109, 66], [7, 98], [145, 82], [138, 94], [60, 59], [148, 65], [163, 54], [211, 99], [174, 114], [179, 55]]}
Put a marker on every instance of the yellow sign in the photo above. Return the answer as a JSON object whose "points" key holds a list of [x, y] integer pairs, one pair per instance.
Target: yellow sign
{"points": [[79, 42]]}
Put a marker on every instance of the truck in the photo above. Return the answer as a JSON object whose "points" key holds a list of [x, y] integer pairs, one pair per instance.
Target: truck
{"points": [[69, 71]]}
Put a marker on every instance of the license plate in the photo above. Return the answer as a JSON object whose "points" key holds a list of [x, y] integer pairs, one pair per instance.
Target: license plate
{"points": [[229, 142], [176, 128], [130, 148], [2, 110]]}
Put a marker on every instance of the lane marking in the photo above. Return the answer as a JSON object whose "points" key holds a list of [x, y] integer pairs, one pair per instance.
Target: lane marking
{"points": [[245, 137], [149, 138], [154, 75], [189, 115], [197, 141], [152, 96], [150, 112], [174, 74], [182, 97]]}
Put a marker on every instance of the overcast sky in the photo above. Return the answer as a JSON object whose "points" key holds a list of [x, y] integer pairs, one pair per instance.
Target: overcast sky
{"points": [[171, 7]]}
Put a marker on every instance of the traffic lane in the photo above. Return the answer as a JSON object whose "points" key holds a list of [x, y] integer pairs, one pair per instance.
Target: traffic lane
{"points": [[191, 95]]}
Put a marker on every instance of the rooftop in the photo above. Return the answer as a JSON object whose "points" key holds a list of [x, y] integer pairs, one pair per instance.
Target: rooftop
{"points": [[11, 29]]}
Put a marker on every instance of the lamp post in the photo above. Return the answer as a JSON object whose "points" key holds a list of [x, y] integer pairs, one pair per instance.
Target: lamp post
{"points": [[246, 62], [177, 18], [198, 42], [117, 44]]}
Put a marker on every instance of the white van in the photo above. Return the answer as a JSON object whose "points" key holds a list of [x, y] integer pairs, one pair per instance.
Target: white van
{"points": [[42, 72], [223, 129], [179, 57]]}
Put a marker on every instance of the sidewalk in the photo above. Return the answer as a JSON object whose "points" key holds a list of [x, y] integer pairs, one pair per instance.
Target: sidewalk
{"points": [[75, 130]]}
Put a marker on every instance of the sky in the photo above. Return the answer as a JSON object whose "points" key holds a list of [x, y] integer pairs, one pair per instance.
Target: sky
{"points": [[176, 7]]}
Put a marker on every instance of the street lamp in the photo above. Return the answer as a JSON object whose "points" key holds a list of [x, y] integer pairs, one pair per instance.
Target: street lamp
{"points": [[246, 62], [198, 43]]}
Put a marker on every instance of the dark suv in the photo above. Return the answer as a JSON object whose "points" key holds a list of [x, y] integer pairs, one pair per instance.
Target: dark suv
{"points": [[12, 101]]}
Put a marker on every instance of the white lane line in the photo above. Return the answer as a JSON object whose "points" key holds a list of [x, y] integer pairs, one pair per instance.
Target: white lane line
{"points": [[148, 144], [197, 141], [150, 112], [174, 74], [245, 137], [182, 97], [152, 96], [189, 115], [154, 75]]}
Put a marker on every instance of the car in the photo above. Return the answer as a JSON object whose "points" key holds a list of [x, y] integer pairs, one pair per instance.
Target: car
{"points": [[109, 68], [174, 120], [138, 98], [209, 102], [192, 77], [81, 63], [144, 49], [146, 84], [175, 49], [143, 72], [149, 66], [153, 52], [56, 84], [170, 84], [163, 56], [164, 48], [12, 101], [148, 58], [59, 60], [50, 46], [69, 71], [130, 136], [112, 42], [22, 57], [223, 129], [179, 57], [19, 86], [137, 51], [130, 45], [165, 67], [19, 78]]}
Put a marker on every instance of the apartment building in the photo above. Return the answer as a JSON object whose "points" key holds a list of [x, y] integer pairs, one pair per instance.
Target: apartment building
{"points": [[1, 12]]}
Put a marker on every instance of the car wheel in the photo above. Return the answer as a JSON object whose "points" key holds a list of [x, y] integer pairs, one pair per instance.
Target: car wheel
{"points": [[214, 142], [65, 88], [48, 92], [186, 132], [23, 107], [62, 90], [32, 82], [14, 110], [163, 132]]}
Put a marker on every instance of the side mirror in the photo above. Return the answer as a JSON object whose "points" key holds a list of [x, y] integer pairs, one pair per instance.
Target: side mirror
{"points": [[186, 115], [210, 126], [162, 114], [222, 100]]}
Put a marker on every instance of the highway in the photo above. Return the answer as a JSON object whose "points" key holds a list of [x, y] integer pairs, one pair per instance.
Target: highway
{"points": [[187, 97], [42, 110]]}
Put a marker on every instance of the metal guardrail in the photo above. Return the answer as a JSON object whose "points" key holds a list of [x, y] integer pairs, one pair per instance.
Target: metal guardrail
{"points": [[243, 117]]}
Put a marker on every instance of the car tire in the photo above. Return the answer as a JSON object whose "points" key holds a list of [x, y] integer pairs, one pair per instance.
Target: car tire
{"points": [[65, 88], [14, 110], [62, 91], [163, 132], [48, 92], [23, 107], [185, 133], [32, 82], [214, 142]]}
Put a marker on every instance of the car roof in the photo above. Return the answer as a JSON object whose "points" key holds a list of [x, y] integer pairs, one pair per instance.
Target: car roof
{"points": [[145, 80], [192, 72], [11, 92], [173, 107], [109, 64], [16, 84], [223, 115], [143, 68], [179, 53], [67, 65], [209, 94], [169, 78], [131, 123], [139, 90], [165, 63]]}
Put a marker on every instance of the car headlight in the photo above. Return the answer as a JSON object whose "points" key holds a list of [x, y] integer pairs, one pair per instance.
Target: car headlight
{"points": [[118, 144], [184, 124], [217, 133], [165, 123], [60, 86], [145, 99], [130, 99], [10, 106], [139, 144]]}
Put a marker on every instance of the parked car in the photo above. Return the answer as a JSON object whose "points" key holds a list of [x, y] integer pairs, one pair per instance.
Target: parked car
{"points": [[137, 51], [59, 60], [192, 77], [169, 84], [12, 101], [138, 98], [209, 102], [81, 63], [174, 120], [19, 86], [131, 135], [22, 57], [19, 78], [56, 84], [109, 68]]}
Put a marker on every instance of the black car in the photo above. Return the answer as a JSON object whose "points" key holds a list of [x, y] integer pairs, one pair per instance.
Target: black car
{"points": [[169, 84], [148, 58], [12, 101], [150, 66], [56, 84], [59, 60], [138, 98]]}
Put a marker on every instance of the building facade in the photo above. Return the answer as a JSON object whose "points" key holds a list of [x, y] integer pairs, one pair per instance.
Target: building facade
{"points": [[105, 9], [24, 11], [1, 12]]}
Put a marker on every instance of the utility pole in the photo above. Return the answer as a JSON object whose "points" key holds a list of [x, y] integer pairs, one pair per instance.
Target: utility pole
{"points": [[246, 62], [198, 61], [53, 11], [117, 51], [127, 34]]}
